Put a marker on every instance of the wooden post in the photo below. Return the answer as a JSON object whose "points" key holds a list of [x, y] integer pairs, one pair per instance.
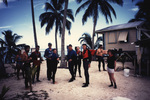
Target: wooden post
{"points": [[140, 67], [134, 66], [147, 67]]}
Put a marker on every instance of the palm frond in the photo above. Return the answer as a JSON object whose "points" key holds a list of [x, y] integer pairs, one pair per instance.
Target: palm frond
{"points": [[82, 7], [78, 1], [50, 24], [48, 6], [5, 2]]}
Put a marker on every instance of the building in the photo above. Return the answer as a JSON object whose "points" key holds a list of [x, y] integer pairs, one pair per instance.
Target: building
{"points": [[121, 36], [129, 37]]}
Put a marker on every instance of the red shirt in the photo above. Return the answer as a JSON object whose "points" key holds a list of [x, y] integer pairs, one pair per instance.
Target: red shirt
{"points": [[85, 55]]}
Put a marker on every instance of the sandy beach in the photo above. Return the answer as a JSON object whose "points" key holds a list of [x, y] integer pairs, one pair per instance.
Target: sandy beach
{"points": [[134, 88]]}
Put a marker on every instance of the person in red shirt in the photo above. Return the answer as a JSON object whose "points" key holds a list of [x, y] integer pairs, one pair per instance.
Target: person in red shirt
{"points": [[36, 58], [86, 54]]}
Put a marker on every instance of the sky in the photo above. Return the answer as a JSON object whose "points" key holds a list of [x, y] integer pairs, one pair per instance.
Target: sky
{"points": [[17, 17]]}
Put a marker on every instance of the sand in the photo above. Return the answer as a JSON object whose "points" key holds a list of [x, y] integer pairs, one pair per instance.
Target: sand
{"points": [[134, 88]]}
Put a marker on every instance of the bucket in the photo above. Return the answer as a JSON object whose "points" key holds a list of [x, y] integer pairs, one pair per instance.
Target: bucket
{"points": [[126, 72]]}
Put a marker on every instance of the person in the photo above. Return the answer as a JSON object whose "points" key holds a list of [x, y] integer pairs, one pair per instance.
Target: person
{"points": [[19, 63], [99, 54], [71, 61], [48, 54], [78, 61], [86, 64], [27, 59], [111, 67], [36, 58], [55, 61]]}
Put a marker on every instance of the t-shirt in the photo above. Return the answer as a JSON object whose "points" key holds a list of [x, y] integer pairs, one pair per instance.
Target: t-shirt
{"points": [[111, 62], [72, 55], [48, 53], [36, 56], [87, 55]]}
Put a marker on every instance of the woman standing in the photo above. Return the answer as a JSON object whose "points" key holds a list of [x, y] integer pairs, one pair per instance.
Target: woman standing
{"points": [[78, 61], [111, 67]]}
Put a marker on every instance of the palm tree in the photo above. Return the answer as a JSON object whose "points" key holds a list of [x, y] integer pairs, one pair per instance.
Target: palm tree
{"points": [[63, 36], [54, 16], [143, 13], [86, 38], [33, 21], [2, 54], [94, 7], [10, 43]]}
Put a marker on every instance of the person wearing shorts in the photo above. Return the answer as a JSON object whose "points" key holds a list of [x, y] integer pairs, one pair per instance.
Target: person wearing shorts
{"points": [[111, 68]]}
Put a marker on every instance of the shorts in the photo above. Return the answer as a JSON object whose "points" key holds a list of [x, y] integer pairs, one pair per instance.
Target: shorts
{"points": [[110, 70]]}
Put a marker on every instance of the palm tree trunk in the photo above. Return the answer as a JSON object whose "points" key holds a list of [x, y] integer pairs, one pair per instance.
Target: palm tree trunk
{"points": [[63, 37], [94, 26], [33, 21], [56, 40]]}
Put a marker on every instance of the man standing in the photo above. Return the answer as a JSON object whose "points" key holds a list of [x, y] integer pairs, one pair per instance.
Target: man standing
{"points": [[36, 58], [71, 60], [27, 68], [48, 54], [55, 61], [86, 64], [99, 54]]}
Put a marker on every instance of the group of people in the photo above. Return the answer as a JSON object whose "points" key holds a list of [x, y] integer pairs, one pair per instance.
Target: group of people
{"points": [[23, 61]]}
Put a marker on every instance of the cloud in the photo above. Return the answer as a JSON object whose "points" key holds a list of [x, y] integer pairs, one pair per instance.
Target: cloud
{"points": [[43, 6], [5, 27], [135, 9]]}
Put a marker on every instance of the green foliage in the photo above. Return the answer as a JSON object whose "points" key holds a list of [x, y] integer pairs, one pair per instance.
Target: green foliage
{"points": [[86, 38], [9, 43], [54, 16], [3, 92], [33, 71]]}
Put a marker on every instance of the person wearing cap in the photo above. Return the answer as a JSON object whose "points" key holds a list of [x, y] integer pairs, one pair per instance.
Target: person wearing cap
{"points": [[48, 55], [36, 58], [86, 54], [71, 61]]}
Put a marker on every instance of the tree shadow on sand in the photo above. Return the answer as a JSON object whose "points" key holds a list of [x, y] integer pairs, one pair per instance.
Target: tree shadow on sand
{"points": [[34, 95]]}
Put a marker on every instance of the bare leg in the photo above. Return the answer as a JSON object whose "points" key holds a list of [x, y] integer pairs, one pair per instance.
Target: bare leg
{"points": [[110, 79], [113, 79]]}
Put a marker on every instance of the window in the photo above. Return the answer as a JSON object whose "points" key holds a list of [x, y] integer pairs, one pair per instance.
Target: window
{"points": [[123, 36], [112, 37]]}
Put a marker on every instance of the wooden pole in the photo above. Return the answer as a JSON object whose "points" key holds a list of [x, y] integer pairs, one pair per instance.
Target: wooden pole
{"points": [[147, 67]]}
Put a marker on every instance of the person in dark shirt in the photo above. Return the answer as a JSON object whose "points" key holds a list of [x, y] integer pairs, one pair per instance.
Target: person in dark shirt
{"points": [[78, 61], [36, 58], [48, 55], [71, 60], [86, 64], [111, 67], [55, 61]]}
